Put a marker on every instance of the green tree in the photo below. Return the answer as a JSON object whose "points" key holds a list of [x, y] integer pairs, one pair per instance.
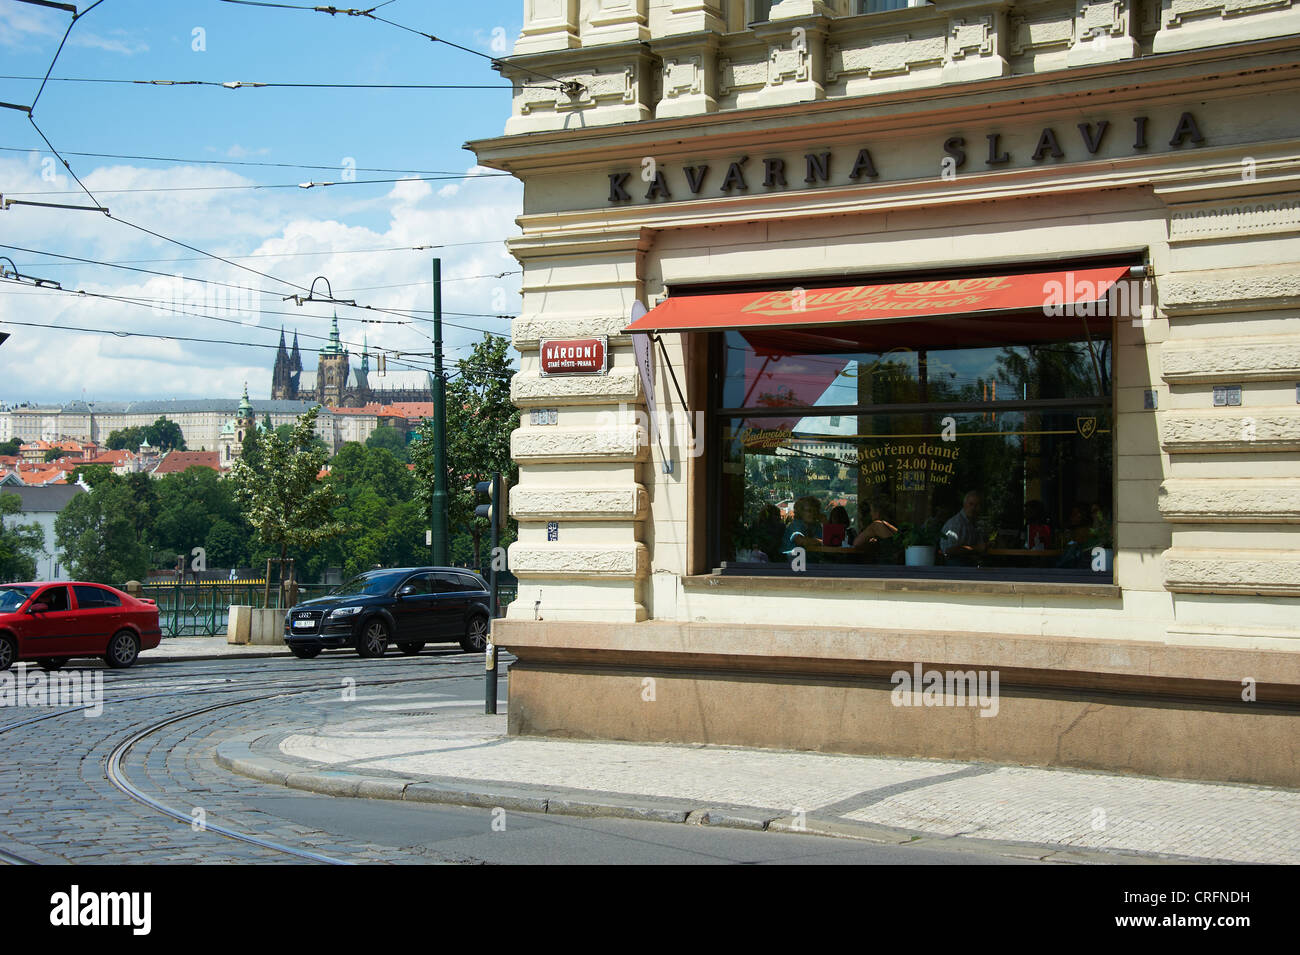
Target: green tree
{"points": [[53, 455], [379, 501], [98, 537], [480, 418], [187, 508], [227, 543], [20, 544], [281, 493], [286, 432], [390, 439], [90, 474], [11, 448], [128, 439], [166, 435]]}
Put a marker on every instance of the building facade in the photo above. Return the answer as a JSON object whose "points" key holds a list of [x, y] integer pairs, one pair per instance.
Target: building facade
{"points": [[1045, 252]]}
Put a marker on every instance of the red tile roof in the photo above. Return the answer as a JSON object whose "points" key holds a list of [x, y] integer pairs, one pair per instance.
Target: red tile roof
{"points": [[174, 462]]}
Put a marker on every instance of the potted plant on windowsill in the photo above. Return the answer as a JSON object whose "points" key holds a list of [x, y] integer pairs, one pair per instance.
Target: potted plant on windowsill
{"points": [[1101, 543], [919, 542]]}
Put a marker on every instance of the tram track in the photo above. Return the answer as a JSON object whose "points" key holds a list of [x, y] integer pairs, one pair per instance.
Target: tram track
{"points": [[116, 767]]}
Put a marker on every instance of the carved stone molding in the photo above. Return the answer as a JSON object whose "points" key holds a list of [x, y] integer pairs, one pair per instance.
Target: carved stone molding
{"points": [[619, 385], [1189, 293], [1230, 501], [527, 331], [1229, 361], [895, 55], [1239, 431], [629, 561], [1253, 573], [1030, 35], [1252, 215], [629, 503], [1176, 12], [577, 445]]}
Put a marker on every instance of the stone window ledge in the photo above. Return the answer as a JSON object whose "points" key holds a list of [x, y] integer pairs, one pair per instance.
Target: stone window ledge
{"points": [[832, 585]]}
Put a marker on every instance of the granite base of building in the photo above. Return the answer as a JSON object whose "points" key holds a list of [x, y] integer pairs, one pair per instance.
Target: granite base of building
{"points": [[1118, 706]]}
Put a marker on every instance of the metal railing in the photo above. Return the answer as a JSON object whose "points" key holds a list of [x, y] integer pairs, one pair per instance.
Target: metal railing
{"points": [[202, 609]]}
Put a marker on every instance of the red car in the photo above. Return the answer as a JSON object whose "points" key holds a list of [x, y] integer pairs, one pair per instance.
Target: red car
{"points": [[52, 623]]}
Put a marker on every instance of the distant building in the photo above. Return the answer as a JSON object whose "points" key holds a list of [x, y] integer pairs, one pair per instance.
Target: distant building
{"points": [[176, 462], [41, 505]]}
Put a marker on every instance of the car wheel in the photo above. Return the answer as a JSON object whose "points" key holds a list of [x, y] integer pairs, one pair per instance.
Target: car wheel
{"points": [[51, 664], [8, 652], [410, 649], [374, 639], [476, 635], [123, 650], [305, 653]]}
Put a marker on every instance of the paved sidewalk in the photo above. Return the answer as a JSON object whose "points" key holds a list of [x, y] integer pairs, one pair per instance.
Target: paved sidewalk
{"points": [[447, 751], [205, 648]]}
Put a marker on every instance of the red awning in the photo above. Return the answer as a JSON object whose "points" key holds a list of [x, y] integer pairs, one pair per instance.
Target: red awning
{"points": [[1048, 293]]}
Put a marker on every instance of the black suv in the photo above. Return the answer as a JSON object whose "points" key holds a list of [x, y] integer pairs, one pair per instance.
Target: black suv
{"points": [[409, 606]]}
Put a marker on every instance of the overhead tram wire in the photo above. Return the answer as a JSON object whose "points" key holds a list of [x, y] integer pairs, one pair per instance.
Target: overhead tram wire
{"points": [[257, 84], [571, 87], [276, 255], [214, 282], [285, 185], [98, 207], [229, 162], [122, 333]]}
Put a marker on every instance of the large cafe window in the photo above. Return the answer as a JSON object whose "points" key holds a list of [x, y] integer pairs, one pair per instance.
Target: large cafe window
{"points": [[960, 447]]}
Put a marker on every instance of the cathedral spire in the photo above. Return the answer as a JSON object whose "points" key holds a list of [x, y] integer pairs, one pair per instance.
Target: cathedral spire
{"points": [[334, 347], [295, 357]]}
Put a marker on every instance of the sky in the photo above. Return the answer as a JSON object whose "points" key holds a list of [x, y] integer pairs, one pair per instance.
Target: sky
{"points": [[434, 195]]}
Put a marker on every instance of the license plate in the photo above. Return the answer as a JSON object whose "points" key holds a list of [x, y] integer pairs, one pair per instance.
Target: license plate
{"points": [[304, 624]]}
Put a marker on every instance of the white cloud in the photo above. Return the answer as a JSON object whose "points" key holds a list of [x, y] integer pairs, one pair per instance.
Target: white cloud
{"points": [[20, 27], [47, 365]]}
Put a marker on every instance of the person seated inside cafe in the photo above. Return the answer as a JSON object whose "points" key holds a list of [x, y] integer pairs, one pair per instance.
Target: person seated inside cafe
{"points": [[881, 527], [836, 528], [769, 531], [960, 540], [1075, 551], [1038, 533], [805, 530]]}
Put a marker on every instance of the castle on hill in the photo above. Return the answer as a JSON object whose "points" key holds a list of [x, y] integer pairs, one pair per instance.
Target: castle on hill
{"points": [[336, 384]]}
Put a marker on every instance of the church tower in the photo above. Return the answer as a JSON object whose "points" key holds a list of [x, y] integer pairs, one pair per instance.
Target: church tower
{"points": [[295, 363], [245, 423], [332, 370], [282, 385]]}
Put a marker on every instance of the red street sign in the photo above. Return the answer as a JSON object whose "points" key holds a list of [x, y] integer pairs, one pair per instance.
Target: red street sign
{"points": [[575, 356]]}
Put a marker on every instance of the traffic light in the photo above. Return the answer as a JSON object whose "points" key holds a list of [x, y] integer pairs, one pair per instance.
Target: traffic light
{"points": [[488, 511]]}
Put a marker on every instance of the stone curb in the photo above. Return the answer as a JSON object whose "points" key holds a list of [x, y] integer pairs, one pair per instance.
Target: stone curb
{"points": [[238, 756], [155, 657]]}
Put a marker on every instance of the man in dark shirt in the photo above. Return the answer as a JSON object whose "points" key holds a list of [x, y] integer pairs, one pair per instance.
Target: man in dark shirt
{"points": [[960, 539]]}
